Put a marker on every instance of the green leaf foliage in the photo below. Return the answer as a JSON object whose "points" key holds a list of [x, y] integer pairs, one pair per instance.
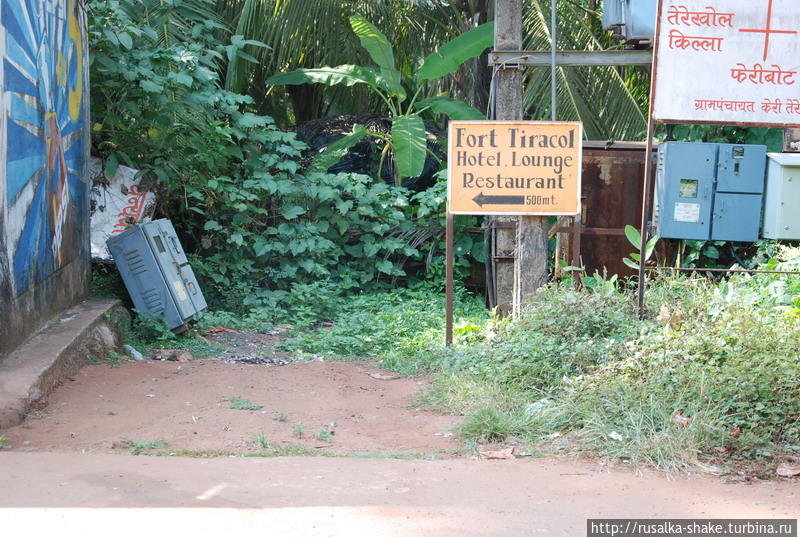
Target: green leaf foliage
{"points": [[410, 144], [650, 246], [256, 220], [373, 41], [452, 108], [346, 75], [631, 263], [335, 151], [408, 139], [310, 33], [635, 238], [633, 235], [450, 56], [380, 50]]}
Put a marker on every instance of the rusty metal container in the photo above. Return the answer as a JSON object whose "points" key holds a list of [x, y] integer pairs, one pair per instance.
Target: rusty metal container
{"points": [[613, 174], [611, 194]]}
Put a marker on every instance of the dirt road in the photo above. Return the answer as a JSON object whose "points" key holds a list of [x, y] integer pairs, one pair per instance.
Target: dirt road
{"points": [[69, 471], [352, 497], [187, 407]]}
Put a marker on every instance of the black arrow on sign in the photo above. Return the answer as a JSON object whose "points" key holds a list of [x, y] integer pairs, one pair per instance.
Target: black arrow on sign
{"points": [[482, 200]]}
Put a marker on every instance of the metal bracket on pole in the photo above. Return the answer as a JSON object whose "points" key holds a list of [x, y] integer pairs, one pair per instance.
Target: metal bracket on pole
{"points": [[507, 60], [516, 59]]}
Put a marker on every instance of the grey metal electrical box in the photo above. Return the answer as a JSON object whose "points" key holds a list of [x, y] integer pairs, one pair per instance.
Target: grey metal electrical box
{"points": [[156, 272], [632, 21], [782, 199], [709, 191]]}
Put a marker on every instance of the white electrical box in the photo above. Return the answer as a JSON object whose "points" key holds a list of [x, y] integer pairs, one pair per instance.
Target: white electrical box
{"points": [[782, 200]]}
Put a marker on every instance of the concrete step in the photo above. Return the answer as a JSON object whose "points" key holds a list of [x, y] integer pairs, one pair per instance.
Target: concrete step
{"points": [[30, 372]]}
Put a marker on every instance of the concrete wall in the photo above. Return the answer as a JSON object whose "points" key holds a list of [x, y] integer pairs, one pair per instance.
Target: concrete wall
{"points": [[44, 153]]}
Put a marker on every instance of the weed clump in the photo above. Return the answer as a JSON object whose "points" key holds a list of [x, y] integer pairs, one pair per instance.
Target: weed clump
{"points": [[713, 377], [144, 446], [299, 430], [325, 435], [491, 425], [733, 374], [565, 333], [240, 403], [710, 376]]}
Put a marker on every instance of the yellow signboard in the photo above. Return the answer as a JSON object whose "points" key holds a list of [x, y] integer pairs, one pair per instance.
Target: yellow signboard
{"points": [[514, 167]]}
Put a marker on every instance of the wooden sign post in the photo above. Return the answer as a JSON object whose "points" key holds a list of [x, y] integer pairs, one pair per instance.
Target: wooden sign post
{"points": [[727, 62], [524, 168]]}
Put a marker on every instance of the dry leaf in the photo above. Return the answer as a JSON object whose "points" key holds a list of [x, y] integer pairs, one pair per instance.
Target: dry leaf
{"points": [[384, 376], [505, 453], [218, 329], [678, 419], [788, 471], [669, 319]]}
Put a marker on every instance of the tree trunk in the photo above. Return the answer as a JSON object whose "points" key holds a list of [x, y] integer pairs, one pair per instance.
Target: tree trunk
{"points": [[306, 101]]}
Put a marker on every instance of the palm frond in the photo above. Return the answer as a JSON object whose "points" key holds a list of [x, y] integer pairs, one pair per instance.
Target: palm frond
{"points": [[172, 20], [310, 33], [598, 96]]}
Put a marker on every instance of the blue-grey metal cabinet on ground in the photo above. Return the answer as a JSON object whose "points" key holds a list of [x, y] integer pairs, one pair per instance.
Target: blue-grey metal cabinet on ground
{"points": [[710, 191], [156, 272]]}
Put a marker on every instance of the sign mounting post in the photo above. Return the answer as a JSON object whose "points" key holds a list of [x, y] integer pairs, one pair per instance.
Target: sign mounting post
{"points": [[488, 190], [530, 169]]}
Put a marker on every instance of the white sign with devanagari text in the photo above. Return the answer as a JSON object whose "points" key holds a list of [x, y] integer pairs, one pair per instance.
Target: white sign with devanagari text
{"points": [[728, 61]]}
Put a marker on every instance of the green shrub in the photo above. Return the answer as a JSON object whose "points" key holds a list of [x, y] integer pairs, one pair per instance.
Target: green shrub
{"points": [[641, 428], [565, 333], [152, 330], [230, 180], [106, 282], [403, 327], [715, 375], [491, 425], [730, 366]]}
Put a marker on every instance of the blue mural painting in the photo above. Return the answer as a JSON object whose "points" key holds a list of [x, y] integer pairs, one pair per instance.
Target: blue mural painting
{"points": [[45, 107]]}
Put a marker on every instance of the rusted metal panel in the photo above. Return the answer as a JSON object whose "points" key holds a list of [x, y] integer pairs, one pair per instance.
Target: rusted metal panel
{"points": [[613, 173], [612, 187]]}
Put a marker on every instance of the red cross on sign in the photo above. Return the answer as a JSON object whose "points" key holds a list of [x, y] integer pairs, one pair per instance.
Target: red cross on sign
{"points": [[768, 31]]}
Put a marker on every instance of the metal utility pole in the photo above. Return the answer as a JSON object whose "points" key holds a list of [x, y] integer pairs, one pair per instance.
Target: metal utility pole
{"points": [[530, 267], [553, 51]]}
